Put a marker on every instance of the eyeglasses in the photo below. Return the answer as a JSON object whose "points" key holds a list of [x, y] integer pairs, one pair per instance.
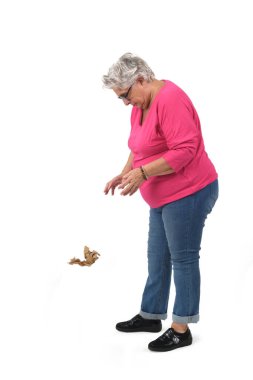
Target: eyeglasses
{"points": [[125, 96]]}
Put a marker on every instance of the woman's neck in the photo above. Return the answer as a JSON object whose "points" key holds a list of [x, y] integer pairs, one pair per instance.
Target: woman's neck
{"points": [[155, 87]]}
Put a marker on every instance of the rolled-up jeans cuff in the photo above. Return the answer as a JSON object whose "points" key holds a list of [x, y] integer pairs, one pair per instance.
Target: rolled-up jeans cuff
{"points": [[152, 316], [187, 319]]}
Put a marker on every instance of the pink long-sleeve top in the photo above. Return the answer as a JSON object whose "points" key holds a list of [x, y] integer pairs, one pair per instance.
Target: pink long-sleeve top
{"points": [[170, 130]]}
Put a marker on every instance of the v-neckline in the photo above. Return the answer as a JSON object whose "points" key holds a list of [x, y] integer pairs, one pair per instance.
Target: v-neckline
{"points": [[141, 121]]}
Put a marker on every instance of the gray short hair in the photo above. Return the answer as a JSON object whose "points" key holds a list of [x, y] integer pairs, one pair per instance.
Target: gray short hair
{"points": [[126, 70]]}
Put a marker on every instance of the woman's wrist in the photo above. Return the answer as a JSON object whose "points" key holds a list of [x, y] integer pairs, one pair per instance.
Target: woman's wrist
{"points": [[125, 171], [144, 173]]}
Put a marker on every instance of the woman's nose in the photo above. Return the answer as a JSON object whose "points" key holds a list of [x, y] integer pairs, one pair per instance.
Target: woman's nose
{"points": [[126, 102]]}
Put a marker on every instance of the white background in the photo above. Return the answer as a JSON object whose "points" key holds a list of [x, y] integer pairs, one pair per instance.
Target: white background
{"points": [[63, 137]]}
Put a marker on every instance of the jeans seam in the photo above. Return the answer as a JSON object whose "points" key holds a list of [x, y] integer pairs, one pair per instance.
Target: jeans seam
{"points": [[187, 252], [163, 283]]}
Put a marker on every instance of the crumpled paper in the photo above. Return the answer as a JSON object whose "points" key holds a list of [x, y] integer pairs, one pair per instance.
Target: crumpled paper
{"points": [[90, 258]]}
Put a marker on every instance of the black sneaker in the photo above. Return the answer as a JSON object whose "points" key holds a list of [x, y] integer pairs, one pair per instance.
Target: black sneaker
{"points": [[171, 340], [138, 323]]}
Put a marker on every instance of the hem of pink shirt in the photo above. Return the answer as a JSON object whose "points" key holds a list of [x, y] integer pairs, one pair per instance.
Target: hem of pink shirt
{"points": [[182, 194]]}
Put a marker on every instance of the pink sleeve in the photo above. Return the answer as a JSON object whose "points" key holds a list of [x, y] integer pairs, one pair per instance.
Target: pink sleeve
{"points": [[180, 126]]}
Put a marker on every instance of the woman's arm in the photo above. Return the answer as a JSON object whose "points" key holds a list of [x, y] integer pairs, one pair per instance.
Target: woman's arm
{"points": [[154, 168], [157, 167], [128, 165]]}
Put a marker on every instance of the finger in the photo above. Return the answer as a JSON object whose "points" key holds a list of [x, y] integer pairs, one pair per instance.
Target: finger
{"points": [[126, 190], [134, 191], [123, 184], [108, 187], [126, 176]]}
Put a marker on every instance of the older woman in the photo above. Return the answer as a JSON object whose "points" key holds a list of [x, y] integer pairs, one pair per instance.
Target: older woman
{"points": [[169, 165]]}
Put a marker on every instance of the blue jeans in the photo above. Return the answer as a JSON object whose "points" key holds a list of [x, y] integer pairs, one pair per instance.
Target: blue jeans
{"points": [[175, 232]]}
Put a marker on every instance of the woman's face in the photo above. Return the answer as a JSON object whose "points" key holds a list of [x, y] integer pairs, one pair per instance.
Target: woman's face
{"points": [[136, 95]]}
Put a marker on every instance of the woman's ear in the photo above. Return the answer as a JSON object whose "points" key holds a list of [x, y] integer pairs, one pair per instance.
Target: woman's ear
{"points": [[140, 80]]}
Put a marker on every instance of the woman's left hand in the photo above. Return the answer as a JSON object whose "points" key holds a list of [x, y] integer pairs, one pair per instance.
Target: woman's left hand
{"points": [[131, 182]]}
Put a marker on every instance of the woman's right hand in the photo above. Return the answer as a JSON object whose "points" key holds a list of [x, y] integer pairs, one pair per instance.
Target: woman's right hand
{"points": [[111, 185]]}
